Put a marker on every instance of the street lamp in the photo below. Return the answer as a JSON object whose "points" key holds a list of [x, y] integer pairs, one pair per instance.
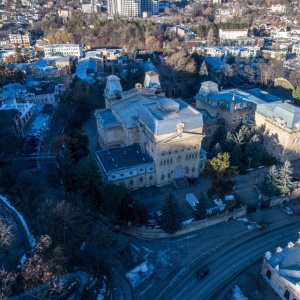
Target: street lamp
{"points": [[250, 159]]}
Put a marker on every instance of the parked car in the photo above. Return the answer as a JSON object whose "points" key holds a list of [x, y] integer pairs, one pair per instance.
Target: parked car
{"points": [[287, 210], [202, 273]]}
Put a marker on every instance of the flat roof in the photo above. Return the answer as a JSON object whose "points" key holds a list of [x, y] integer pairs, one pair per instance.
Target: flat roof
{"points": [[106, 118], [263, 95], [123, 157]]}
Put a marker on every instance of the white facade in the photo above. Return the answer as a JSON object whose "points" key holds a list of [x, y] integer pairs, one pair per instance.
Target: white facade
{"points": [[63, 50], [278, 8], [20, 38], [232, 34], [132, 8], [89, 8]]}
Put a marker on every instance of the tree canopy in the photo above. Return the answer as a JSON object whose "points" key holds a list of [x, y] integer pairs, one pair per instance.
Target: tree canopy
{"points": [[219, 172], [171, 215]]}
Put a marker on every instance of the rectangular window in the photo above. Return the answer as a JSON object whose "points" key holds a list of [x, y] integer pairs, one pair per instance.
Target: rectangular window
{"points": [[141, 179], [162, 177], [131, 182]]}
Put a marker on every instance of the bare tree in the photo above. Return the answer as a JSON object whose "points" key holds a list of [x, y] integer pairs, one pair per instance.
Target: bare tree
{"points": [[6, 233]]}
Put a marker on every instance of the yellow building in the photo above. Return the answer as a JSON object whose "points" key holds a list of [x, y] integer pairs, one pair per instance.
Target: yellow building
{"points": [[279, 123], [148, 139]]}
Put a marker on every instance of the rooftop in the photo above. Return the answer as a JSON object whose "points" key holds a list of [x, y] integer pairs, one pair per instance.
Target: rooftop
{"points": [[61, 45], [162, 117], [289, 113], [287, 261], [122, 158], [263, 95], [106, 118]]}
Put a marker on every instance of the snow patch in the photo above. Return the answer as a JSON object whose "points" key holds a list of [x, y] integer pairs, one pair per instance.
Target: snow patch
{"points": [[237, 294], [245, 220], [22, 261], [103, 290], [139, 273], [30, 237], [165, 257]]}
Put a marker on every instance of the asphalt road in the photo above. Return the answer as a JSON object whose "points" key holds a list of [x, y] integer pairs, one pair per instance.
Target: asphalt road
{"points": [[228, 262]]}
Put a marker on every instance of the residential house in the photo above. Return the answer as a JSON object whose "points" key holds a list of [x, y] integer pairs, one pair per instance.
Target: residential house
{"points": [[148, 139], [8, 101], [278, 8], [43, 93]]}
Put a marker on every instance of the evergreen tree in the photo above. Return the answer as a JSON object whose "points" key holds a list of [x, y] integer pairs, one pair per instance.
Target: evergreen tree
{"points": [[200, 212], [171, 215], [285, 178], [255, 150], [238, 137], [269, 186], [67, 170], [236, 156], [227, 143], [215, 151], [89, 181], [217, 137], [203, 71], [219, 172]]}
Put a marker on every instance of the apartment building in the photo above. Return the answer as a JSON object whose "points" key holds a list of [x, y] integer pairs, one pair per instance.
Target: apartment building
{"points": [[63, 50], [20, 38], [132, 8], [89, 8]]}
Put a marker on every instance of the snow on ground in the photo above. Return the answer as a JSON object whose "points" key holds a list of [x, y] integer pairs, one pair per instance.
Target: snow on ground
{"points": [[250, 227], [30, 237], [245, 220], [22, 261], [165, 257], [102, 292], [139, 273], [237, 294]]}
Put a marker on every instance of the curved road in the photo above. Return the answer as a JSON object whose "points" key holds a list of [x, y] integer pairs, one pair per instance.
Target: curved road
{"points": [[226, 263]]}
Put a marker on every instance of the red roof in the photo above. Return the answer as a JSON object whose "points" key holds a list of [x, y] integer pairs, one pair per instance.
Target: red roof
{"points": [[152, 73]]}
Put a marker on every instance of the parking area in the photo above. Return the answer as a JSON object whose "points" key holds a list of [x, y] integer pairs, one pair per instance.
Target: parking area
{"points": [[154, 197]]}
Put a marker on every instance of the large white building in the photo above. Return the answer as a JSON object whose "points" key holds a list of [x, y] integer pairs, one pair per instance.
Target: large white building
{"points": [[148, 139], [132, 8], [63, 50], [282, 271], [232, 34]]}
